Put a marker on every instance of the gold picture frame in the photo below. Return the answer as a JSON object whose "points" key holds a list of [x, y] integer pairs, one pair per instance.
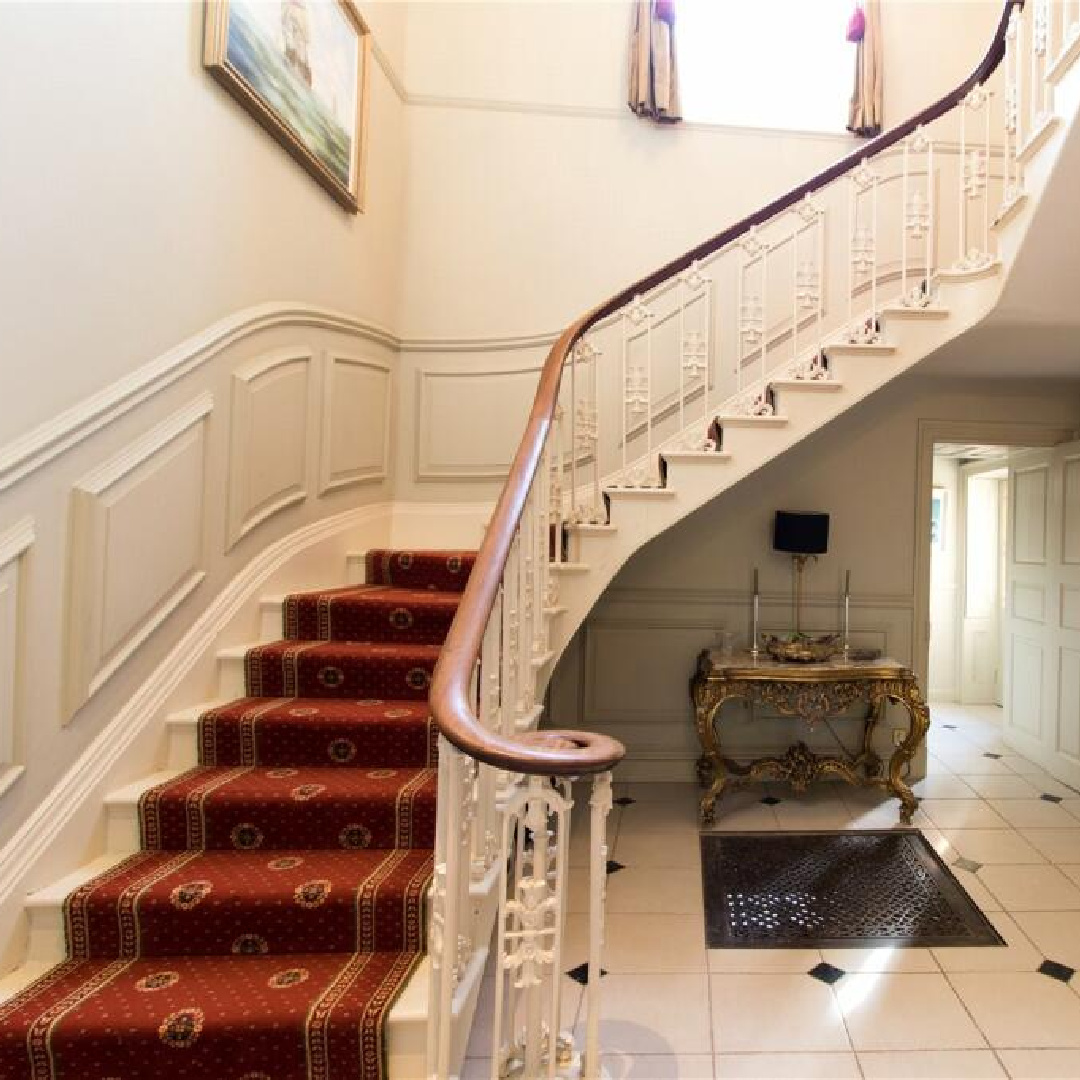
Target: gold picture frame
{"points": [[301, 68]]}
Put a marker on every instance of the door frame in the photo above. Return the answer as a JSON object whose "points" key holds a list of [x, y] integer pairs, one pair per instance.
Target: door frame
{"points": [[994, 433]]}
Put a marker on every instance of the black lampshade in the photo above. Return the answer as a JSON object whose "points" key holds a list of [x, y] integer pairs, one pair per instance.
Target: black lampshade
{"points": [[801, 532]]}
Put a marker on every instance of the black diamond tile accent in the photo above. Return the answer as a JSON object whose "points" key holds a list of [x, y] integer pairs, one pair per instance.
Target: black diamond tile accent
{"points": [[951, 727], [580, 974], [970, 865], [826, 973], [1061, 972], [996, 757], [614, 867], [624, 800], [1047, 797], [770, 800]]}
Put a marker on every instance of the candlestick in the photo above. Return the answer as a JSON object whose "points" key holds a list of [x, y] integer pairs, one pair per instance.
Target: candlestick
{"points": [[757, 612], [755, 581], [847, 619], [847, 583]]}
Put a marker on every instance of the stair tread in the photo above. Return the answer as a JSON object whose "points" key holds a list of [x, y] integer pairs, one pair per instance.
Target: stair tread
{"points": [[277, 901], [256, 1012], [383, 613]]}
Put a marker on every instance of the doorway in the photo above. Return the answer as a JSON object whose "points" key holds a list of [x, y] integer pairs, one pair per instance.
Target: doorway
{"points": [[968, 559]]}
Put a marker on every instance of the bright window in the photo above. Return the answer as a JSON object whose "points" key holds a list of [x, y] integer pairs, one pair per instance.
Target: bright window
{"points": [[780, 64]]}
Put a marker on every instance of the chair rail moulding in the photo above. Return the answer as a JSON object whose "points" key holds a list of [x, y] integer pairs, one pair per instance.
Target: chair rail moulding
{"points": [[354, 450], [27, 453], [143, 508]]}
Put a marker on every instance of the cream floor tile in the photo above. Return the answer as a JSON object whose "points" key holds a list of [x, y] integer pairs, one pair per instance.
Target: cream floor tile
{"points": [[961, 814], [945, 787], [1073, 806], [1033, 814], [931, 1065], [654, 1014], [676, 849], [623, 1066], [905, 1012], [1022, 766], [641, 890], [668, 792], [748, 961], [1056, 934], [1071, 872], [641, 943], [1031, 888], [984, 899], [882, 959], [1058, 845], [975, 764], [1048, 785], [775, 1012], [1021, 1010], [680, 812], [786, 1067], [992, 846], [802, 814], [1003, 787], [1041, 1064], [1018, 953], [755, 818]]}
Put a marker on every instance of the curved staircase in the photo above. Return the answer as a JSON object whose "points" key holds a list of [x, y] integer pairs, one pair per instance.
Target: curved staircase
{"points": [[277, 906]]}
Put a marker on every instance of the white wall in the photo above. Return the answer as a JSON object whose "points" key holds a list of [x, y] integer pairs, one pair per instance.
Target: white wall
{"points": [[944, 670], [628, 674], [139, 202]]}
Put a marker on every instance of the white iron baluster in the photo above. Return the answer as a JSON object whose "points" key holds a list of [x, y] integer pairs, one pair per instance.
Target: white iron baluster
{"points": [[599, 807]]}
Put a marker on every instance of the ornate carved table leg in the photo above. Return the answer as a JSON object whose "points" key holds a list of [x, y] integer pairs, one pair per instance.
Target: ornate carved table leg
{"points": [[906, 693], [869, 756], [710, 767]]}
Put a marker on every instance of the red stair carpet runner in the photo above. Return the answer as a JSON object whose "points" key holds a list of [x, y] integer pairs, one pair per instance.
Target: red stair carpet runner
{"points": [[276, 908]]}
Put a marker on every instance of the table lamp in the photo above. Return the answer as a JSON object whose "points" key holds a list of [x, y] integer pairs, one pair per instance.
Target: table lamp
{"points": [[803, 535]]}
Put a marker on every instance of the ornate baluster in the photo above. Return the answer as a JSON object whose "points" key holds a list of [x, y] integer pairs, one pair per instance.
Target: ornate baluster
{"points": [[694, 347], [1040, 52], [599, 808], [510, 637], [637, 389], [974, 182], [591, 506], [863, 252], [529, 1042], [541, 544], [917, 219], [1013, 180]]}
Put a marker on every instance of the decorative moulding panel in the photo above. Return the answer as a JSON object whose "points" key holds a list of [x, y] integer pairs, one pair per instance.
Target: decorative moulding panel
{"points": [[271, 409], [355, 445], [14, 543], [135, 548], [468, 423], [1026, 682], [1029, 519], [1068, 731], [1070, 512], [1029, 602], [1070, 607]]}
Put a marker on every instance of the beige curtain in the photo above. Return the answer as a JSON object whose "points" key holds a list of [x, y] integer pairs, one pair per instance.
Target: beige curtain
{"points": [[654, 76], [865, 115]]}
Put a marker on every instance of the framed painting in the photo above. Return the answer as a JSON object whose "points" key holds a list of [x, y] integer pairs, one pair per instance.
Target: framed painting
{"points": [[301, 68]]}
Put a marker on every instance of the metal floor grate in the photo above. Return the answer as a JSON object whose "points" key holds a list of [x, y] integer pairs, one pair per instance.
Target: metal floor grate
{"points": [[834, 890]]}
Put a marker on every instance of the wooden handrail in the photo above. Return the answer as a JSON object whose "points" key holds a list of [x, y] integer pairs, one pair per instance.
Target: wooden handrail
{"points": [[578, 753]]}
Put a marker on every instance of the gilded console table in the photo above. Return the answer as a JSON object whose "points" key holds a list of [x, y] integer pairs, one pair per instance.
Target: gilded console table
{"points": [[812, 692]]}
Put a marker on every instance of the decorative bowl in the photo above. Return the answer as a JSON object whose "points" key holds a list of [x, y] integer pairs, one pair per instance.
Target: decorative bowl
{"points": [[800, 648]]}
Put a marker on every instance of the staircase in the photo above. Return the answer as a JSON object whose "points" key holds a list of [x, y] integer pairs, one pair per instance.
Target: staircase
{"points": [[276, 906], [647, 407]]}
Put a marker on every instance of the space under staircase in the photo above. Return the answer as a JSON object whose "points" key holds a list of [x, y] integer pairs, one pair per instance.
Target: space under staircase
{"points": [[669, 393]]}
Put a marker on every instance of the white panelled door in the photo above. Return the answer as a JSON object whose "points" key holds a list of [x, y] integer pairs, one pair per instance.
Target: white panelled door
{"points": [[1042, 609]]}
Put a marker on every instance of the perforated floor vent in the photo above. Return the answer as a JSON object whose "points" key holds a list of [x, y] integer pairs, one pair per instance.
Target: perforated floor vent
{"points": [[834, 890]]}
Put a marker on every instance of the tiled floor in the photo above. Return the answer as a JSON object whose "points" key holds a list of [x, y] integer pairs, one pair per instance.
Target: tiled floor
{"points": [[674, 1009]]}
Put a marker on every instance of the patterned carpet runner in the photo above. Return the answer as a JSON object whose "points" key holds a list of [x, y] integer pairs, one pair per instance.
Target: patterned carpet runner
{"points": [[276, 908]]}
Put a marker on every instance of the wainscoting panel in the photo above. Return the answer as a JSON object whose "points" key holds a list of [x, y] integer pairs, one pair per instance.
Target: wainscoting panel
{"points": [[14, 543], [638, 652], [1029, 602], [468, 422], [135, 548], [268, 439], [1070, 607], [1031, 507], [1026, 682], [355, 444]]}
